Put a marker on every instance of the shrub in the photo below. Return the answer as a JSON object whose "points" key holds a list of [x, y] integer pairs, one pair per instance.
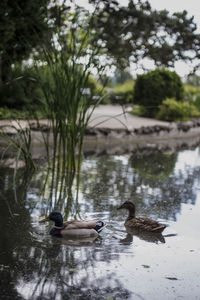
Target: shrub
{"points": [[191, 90], [152, 88], [123, 93], [10, 114], [173, 110], [197, 102], [192, 94], [96, 88], [22, 89]]}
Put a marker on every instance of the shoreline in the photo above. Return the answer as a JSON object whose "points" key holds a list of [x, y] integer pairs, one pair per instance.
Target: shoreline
{"points": [[115, 136]]}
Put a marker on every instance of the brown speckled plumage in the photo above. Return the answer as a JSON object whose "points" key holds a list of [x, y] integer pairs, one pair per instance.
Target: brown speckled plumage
{"points": [[140, 224]]}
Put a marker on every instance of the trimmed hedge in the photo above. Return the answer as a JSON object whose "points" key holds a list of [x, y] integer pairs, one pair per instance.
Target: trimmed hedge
{"points": [[152, 88]]}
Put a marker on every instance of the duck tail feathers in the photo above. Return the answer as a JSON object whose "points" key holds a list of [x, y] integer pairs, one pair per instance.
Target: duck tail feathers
{"points": [[100, 225], [159, 228]]}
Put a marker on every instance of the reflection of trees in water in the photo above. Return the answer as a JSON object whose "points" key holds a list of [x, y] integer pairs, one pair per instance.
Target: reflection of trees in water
{"points": [[37, 267], [50, 190], [158, 165], [156, 196], [15, 227], [162, 197], [43, 268], [52, 270], [111, 180]]}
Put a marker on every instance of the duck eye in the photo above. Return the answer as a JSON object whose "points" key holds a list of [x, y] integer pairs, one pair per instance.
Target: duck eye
{"points": [[53, 214]]}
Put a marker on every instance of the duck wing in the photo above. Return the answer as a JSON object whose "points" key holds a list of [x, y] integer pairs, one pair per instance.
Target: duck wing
{"points": [[145, 224], [80, 224]]}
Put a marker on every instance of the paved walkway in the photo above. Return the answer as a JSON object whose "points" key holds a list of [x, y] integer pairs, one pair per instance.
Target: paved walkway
{"points": [[113, 117]]}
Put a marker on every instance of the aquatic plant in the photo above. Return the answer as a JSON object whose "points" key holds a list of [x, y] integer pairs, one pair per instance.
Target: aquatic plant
{"points": [[67, 101], [63, 74], [19, 139]]}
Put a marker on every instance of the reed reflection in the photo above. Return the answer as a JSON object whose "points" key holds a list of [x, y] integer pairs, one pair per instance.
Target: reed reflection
{"points": [[56, 189], [15, 229], [35, 266]]}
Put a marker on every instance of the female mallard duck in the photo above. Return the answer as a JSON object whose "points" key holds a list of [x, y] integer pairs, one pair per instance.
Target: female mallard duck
{"points": [[77, 229], [140, 224]]}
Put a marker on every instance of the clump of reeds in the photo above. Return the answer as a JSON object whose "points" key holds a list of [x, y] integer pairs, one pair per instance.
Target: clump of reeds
{"points": [[63, 74], [66, 101], [20, 141]]}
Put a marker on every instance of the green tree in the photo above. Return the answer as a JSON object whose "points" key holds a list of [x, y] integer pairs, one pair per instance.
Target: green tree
{"points": [[23, 25], [155, 165], [133, 32], [121, 76], [193, 80]]}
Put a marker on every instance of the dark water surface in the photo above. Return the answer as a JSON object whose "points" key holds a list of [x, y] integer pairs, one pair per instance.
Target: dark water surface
{"points": [[118, 265]]}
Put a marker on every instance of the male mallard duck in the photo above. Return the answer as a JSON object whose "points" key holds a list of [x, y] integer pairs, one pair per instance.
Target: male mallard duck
{"points": [[77, 229], [140, 224]]}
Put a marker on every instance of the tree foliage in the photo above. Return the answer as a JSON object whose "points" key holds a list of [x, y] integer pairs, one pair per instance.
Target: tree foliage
{"points": [[133, 32], [193, 80], [23, 25], [121, 76], [123, 33], [67, 43]]}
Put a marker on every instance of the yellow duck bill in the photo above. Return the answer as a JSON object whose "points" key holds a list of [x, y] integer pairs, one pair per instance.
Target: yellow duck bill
{"points": [[44, 220]]}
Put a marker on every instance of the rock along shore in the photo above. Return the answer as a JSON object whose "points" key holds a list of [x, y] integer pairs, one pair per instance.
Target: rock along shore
{"points": [[114, 130], [114, 122]]}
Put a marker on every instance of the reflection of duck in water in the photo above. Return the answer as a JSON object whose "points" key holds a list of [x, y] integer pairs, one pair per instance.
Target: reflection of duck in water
{"points": [[140, 224], [73, 229], [146, 236]]}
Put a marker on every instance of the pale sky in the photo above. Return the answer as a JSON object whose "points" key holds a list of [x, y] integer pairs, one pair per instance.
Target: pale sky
{"points": [[191, 6]]}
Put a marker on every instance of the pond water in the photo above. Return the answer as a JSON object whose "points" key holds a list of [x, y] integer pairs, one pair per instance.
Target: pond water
{"points": [[117, 265]]}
